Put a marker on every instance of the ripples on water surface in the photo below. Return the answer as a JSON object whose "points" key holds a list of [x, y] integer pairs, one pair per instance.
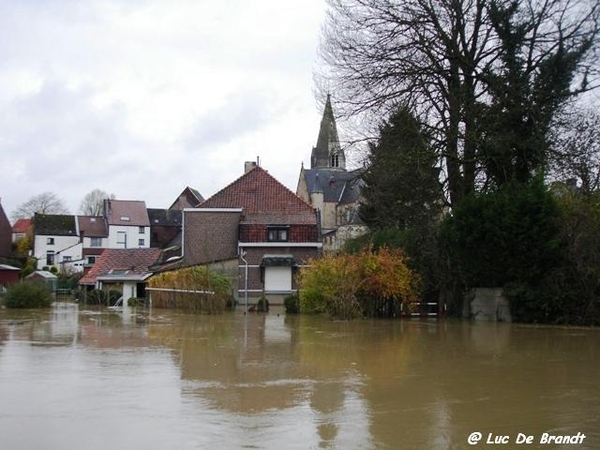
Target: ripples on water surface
{"points": [[75, 378]]}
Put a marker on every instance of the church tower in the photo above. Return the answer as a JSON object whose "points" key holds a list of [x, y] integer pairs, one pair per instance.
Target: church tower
{"points": [[328, 153]]}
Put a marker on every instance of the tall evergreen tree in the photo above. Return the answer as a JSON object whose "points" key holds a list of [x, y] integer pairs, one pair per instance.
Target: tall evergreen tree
{"points": [[402, 188]]}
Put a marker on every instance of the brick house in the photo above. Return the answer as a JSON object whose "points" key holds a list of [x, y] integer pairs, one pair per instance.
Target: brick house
{"points": [[257, 230], [188, 198], [20, 229]]}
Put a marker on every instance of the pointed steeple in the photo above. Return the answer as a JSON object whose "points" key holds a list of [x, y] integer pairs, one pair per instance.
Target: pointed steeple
{"points": [[328, 153]]}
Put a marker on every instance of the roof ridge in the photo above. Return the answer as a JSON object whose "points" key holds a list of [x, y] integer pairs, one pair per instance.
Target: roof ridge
{"points": [[271, 177]]}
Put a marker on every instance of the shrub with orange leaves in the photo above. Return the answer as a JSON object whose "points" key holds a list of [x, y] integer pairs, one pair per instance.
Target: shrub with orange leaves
{"points": [[353, 285]]}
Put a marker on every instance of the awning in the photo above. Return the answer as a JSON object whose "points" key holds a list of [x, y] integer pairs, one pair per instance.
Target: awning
{"points": [[277, 260]]}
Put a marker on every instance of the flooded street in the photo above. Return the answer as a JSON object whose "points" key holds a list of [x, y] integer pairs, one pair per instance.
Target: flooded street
{"points": [[76, 378]]}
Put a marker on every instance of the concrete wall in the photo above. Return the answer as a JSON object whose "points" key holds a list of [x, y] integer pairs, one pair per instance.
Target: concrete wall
{"points": [[487, 304]]}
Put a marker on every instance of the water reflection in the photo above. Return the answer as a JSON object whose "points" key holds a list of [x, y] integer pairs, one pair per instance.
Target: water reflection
{"points": [[156, 379]]}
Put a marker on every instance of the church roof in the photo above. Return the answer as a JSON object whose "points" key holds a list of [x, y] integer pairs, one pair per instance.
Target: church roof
{"points": [[337, 186], [263, 200]]}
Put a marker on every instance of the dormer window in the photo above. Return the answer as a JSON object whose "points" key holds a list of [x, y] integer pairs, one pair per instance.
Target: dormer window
{"points": [[277, 233], [118, 271]]}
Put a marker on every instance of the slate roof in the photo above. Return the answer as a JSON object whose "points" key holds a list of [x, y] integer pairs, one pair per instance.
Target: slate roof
{"points": [[21, 225], [337, 186], [130, 262], [165, 217], [263, 200], [126, 212], [54, 225], [189, 198], [328, 142], [91, 226]]}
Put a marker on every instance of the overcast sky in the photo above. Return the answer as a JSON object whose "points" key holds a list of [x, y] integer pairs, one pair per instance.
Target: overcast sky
{"points": [[142, 98]]}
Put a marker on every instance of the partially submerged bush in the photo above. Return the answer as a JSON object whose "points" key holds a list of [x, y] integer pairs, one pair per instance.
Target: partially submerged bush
{"points": [[347, 286], [28, 295], [193, 289], [291, 304], [262, 305], [101, 297]]}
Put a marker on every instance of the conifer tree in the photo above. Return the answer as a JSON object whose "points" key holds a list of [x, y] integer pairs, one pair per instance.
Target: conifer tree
{"points": [[402, 188]]}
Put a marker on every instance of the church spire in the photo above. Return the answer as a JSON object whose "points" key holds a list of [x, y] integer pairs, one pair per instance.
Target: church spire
{"points": [[328, 153]]}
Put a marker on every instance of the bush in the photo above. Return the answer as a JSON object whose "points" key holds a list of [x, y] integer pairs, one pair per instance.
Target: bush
{"points": [[198, 278], [100, 297], [291, 304], [507, 236], [28, 295], [262, 305], [570, 293], [348, 286]]}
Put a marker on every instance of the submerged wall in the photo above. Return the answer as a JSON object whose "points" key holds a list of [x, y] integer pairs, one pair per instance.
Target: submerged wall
{"points": [[487, 304]]}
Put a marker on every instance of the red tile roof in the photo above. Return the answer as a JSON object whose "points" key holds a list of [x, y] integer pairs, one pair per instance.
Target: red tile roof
{"points": [[21, 226], [263, 200], [135, 260]]}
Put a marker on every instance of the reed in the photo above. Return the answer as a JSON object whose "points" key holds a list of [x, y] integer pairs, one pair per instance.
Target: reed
{"points": [[195, 289]]}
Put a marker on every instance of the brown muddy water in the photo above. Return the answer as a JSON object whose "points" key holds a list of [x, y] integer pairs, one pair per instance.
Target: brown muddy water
{"points": [[76, 378]]}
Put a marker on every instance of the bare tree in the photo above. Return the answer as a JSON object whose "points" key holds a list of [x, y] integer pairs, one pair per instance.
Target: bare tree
{"points": [[93, 203], [45, 203], [576, 150], [445, 58]]}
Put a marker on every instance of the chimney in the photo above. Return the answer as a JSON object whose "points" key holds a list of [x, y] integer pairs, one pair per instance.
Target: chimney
{"points": [[249, 165]]}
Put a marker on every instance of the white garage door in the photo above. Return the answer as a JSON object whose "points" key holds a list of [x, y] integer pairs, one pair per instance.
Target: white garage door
{"points": [[278, 278]]}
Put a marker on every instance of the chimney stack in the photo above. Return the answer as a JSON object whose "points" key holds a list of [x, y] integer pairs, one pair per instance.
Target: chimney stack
{"points": [[249, 165]]}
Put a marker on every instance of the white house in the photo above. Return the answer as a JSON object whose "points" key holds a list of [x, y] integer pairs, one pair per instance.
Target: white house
{"points": [[56, 242], [128, 224]]}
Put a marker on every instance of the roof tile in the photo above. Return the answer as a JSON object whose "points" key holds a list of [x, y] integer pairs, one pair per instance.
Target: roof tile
{"points": [[263, 200], [135, 260]]}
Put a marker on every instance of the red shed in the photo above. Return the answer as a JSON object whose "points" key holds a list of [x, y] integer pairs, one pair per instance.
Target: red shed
{"points": [[8, 275]]}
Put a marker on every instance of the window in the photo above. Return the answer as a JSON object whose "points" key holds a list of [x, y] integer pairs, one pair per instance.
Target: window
{"points": [[66, 259], [141, 242], [277, 234], [142, 230], [50, 258], [335, 162], [91, 259], [50, 241], [95, 242]]}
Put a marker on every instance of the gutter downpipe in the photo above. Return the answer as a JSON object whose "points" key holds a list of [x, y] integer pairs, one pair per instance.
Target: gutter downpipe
{"points": [[242, 254]]}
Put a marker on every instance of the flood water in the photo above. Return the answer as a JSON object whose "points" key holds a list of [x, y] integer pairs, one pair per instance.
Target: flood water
{"points": [[76, 378]]}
